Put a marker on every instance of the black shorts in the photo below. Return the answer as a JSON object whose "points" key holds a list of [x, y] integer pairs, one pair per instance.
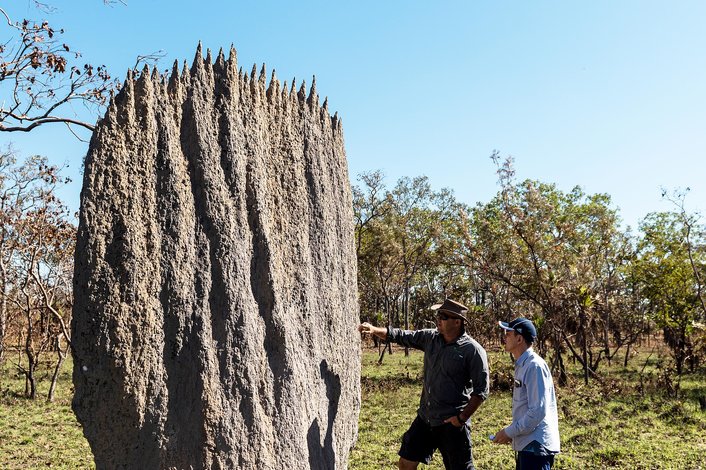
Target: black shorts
{"points": [[421, 440]]}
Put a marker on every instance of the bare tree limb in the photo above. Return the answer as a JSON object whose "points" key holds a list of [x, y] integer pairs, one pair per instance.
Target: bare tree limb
{"points": [[41, 76], [39, 121]]}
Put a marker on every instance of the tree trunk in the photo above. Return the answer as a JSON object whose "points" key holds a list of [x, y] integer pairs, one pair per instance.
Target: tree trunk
{"points": [[57, 369], [31, 382], [3, 310], [405, 307], [563, 378], [584, 346], [32, 360]]}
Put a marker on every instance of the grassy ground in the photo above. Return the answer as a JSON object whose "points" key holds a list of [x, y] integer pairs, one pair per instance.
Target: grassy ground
{"points": [[38, 434], [608, 426], [603, 426]]}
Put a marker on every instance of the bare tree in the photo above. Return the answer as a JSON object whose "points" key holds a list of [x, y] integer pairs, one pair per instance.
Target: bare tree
{"points": [[43, 293], [41, 77], [36, 259], [19, 195]]}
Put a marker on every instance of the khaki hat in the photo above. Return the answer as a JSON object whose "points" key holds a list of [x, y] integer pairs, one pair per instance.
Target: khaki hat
{"points": [[452, 308]]}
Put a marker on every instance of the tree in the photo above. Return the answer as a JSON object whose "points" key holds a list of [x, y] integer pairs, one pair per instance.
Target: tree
{"points": [[669, 283], [418, 219], [36, 264], [41, 77], [19, 195], [551, 255], [369, 203], [690, 224], [400, 236]]}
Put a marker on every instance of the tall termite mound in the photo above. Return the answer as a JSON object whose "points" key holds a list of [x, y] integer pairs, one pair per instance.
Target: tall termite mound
{"points": [[215, 279]]}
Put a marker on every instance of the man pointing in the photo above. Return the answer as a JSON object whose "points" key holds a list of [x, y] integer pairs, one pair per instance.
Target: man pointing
{"points": [[455, 384]]}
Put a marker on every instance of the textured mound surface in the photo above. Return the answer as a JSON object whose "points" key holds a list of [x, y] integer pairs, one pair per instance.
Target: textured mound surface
{"points": [[215, 283]]}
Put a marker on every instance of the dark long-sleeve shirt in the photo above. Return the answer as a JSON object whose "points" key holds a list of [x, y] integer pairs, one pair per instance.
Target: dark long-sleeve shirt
{"points": [[452, 372]]}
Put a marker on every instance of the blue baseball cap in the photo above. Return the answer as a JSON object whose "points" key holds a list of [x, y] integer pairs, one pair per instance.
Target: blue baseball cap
{"points": [[521, 326]]}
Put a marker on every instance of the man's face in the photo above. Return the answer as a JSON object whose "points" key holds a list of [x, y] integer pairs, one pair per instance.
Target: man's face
{"points": [[512, 340], [446, 324]]}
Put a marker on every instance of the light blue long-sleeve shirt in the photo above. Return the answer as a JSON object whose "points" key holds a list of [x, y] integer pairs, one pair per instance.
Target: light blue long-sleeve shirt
{"points": [[534, 410]]}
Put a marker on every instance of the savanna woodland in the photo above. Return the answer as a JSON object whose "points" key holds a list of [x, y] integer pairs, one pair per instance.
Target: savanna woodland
{"points": [[621, 315]]}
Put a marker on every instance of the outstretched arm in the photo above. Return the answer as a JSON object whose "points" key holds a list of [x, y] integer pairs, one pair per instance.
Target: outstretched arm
{"points": [[367, 328]]}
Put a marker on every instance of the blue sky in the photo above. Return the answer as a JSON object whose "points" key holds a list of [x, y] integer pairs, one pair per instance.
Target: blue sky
{"points": [[607, 95]]}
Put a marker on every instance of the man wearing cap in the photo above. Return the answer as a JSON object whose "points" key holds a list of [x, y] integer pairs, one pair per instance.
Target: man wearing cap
{"points": [[455, 384], [534, 432]]}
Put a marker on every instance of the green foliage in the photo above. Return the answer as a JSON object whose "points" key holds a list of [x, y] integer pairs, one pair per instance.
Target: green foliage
{"points": [[404, 238], [557, 257], [671, 255]]}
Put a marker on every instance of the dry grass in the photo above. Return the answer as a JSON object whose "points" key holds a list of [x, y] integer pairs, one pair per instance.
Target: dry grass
{"points": [[608, 426]]}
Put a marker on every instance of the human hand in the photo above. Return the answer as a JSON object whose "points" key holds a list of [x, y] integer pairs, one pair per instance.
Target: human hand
{"points": [[454, 421], [367, 328], [501, 437]]}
